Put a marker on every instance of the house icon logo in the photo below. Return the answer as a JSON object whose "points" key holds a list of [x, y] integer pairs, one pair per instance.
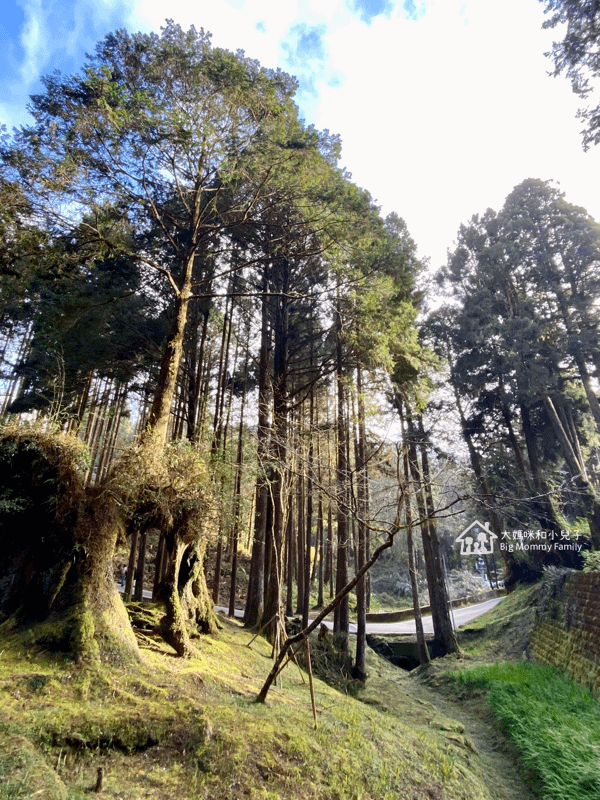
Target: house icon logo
{"points": [[476, 540]]}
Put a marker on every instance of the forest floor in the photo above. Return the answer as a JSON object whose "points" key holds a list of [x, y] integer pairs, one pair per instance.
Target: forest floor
{"points": [[167, 727]]}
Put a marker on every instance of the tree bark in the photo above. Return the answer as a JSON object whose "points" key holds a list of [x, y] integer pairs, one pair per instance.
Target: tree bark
{"points": [[160, 410], [255, 598], [363, 513], [341, 620], [56, 546], [280, 478]]}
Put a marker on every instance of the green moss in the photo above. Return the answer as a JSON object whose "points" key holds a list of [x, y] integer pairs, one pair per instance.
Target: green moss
{"points": [[165, 727], [24, 772]]}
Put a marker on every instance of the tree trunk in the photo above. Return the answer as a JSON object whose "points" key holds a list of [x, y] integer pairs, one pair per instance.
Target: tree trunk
{"points": [[423, 650], [543, 505], [290, 544], [363, 513], [309, 515], [237, 491], [341, 619], [484, 491], [255, 598], [130, 573], [187, 601], [160, 410], [442, 626], [138, 594], [280, 478], [577, 470], [54, 579]]}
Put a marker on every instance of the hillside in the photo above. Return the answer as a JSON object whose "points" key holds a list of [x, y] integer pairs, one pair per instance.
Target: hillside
{"points": [[169, 727]]}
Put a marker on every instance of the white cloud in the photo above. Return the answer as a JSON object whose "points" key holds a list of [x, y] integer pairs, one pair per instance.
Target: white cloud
{"points": [[441, 117], [35, 41]]}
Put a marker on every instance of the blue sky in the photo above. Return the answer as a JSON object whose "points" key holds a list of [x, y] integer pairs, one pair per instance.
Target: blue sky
{"points": [[443, 106]]}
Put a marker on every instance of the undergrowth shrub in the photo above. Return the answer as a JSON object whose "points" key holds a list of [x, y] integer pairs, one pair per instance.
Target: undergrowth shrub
{"points": [[591, 560], [551, 720]]}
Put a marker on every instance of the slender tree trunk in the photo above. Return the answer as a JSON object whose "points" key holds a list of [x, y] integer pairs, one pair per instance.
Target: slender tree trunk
{"points": [[82, 403], [341, 620], [543, 505], [96, 431], [363, 514], [130, 576], [482, 486], [423, 650], [160, 410], [320, 554], [239, 463], [309, 511], [300, 544], [292, 640], [159, 565], [291, 561], [586, 380], [442, 626], [255, 598], [331, 549], [446, 631], [506, 415], [280, 480], [577, 470], [138, 594]]}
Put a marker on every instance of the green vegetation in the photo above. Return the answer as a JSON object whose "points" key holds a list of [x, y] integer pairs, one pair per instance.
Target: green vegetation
{"points": [[591, 560], [552, 721], [191, 728], [168, 198], [503, 634]]}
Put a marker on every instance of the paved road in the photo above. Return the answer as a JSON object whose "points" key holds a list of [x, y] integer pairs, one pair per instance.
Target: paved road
{"points": [[461, 616]]}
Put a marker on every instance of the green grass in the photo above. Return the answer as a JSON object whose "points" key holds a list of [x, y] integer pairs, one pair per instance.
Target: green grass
{"points": [[191, 729], [552, 721]]}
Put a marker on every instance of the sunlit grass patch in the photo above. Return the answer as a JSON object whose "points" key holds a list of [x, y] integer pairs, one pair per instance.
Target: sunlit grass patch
{"points": [[191, 728], [551, 720]]}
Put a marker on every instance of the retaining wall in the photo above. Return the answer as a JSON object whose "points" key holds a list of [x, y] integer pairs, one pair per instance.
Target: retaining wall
{"points": [[567, 629]]}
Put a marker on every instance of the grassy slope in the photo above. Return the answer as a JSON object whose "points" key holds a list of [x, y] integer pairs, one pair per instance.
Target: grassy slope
{"points": [[503, 634], [171, 728], [552, 721]]}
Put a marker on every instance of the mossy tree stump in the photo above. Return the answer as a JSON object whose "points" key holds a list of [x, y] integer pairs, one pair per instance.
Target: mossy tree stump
{"points": [[184, 592], [169, 488], [57, 539]]}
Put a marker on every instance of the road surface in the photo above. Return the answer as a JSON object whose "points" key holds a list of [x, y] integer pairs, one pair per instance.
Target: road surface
{"points": [[460, 615]]}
